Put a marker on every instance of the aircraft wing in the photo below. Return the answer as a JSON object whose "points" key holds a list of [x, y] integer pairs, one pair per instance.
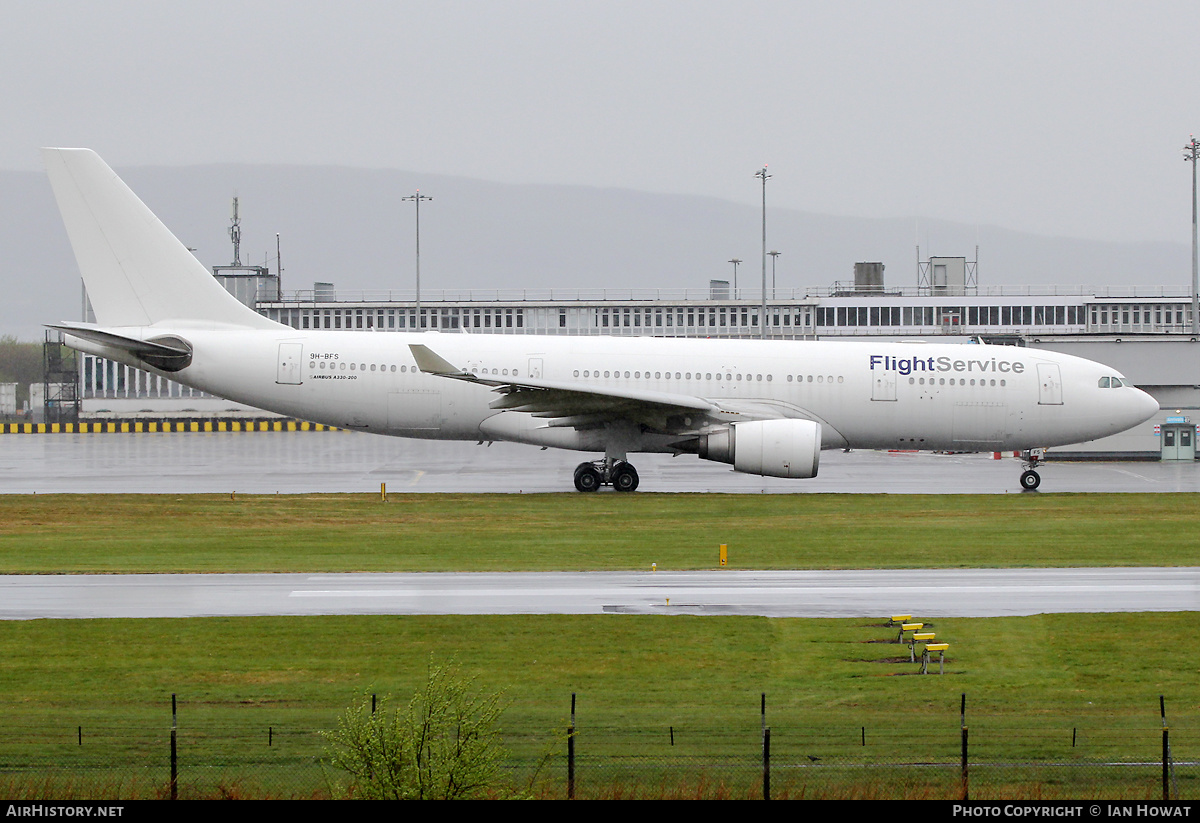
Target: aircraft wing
{"points": [[583, 406]]}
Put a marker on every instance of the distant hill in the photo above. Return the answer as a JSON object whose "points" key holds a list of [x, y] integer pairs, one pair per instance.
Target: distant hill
{"points": [[350, 227]]}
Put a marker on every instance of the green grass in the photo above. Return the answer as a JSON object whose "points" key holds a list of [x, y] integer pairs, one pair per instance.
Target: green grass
{"points": [[1033, 683], [335, 533]]}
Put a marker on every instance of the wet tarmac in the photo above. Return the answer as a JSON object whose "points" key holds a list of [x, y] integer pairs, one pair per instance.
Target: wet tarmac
{"points": [[305, 462], [924, 592]]}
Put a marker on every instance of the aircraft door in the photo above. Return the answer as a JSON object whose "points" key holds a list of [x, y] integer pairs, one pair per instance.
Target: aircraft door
{"points": [[883, 385], [1049, 385], [535, 368], [289, 373]]}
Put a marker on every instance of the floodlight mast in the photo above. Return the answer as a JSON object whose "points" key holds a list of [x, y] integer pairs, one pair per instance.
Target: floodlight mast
{"points": [[417, 198], [762, 322], [1189, 156]]}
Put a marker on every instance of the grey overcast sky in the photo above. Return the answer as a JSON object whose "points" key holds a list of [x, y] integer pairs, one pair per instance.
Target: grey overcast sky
{"points": [[1061, 118]]}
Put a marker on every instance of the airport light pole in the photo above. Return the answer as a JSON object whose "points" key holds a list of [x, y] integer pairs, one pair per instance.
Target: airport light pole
{"points": [[762, 321], [417, 198], [735, 262], [1189, 156]]}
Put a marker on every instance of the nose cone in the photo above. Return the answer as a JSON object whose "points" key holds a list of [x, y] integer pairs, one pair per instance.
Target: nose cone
{"points": [[1143, 407], [1115, 410]]}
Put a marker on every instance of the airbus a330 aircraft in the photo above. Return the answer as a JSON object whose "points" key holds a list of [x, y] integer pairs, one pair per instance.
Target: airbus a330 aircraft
{"points": [[766, 407]]}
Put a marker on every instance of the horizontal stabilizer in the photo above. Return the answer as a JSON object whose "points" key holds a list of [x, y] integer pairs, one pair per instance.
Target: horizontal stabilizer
{"points": [[168, 353]]}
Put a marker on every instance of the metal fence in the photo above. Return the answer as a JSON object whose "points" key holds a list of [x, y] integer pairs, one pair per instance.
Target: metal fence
{"points": [[606, 757]]}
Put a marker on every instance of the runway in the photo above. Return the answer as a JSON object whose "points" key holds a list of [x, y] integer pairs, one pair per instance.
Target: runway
{"points": [[879, 593], [307, 462], [294, 463]]}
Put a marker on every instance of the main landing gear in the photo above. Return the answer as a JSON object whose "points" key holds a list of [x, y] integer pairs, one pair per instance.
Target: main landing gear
{"points": [[1031, 459], [622, 476]]}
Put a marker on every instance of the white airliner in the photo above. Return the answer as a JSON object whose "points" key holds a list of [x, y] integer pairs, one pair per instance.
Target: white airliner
{"points": [[766, 407]]}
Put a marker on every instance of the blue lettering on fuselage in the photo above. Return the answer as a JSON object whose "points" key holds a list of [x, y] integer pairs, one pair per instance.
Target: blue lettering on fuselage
{"points": [[904, 365], [910, 365]]}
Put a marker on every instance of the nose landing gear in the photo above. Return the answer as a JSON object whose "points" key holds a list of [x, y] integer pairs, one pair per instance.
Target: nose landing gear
{"points": [[1031, 459], [619, 474]]}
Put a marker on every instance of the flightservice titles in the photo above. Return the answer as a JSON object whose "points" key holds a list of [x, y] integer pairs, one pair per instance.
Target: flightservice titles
{"points": [[1068, 810], [911, 365]]}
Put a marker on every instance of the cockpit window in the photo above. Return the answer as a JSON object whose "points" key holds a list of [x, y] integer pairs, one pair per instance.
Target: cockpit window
{"points": [[1104, 382], [1114, 383]]}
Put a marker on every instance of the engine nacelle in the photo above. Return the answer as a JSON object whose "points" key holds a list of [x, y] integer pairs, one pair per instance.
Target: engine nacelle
{"points": [[775, 448]]}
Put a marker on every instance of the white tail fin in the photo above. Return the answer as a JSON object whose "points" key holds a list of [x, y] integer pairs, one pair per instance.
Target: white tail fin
{"points": [[136, 272]]}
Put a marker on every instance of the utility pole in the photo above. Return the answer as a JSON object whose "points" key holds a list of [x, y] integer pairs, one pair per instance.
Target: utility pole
{"points": [[774, 257], [735, 262], [1189, 156], [762, 321], [417, 198]]}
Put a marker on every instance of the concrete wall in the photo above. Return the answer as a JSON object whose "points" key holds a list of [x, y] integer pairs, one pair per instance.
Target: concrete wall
{"points": [[1147, 360], [1166, 366]]}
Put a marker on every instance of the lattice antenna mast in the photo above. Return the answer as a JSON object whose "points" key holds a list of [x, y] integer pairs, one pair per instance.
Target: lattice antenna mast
{"points": [[235, 234]]}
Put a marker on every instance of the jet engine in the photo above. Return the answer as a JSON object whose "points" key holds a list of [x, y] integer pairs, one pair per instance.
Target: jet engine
{"points": [[775, 448]]}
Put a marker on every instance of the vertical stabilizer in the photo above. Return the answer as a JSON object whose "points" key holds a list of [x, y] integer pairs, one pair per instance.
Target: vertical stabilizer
{"points": [[136, 272]]}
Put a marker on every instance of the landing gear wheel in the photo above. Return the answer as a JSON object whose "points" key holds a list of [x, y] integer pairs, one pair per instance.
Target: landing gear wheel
{"points": [[587, 479], [625, 478], [1030, 480]]}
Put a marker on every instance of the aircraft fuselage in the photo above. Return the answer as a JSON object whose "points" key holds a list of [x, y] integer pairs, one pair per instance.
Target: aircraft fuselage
{"points": [[863, 394]]}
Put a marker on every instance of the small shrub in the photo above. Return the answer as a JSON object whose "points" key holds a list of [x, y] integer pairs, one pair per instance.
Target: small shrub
{"points": [[444, 745]]}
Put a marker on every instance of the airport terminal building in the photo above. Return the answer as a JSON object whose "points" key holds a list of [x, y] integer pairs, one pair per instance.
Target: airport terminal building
{"points": [[1145, 333]]}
